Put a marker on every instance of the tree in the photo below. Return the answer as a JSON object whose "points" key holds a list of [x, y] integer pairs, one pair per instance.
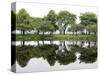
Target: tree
{"points": [[47, 52], [36, 24], [88, 55], [80, 28], [88, 19], [42, 25], [52, 17], [64, 19], [46, 26], [92, 29], [23, 21], [75, 28]]}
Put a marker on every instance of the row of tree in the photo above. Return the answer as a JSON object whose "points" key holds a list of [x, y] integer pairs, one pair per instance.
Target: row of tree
{"points": [[63, 21]]}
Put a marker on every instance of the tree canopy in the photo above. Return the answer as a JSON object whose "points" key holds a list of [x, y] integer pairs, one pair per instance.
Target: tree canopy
{"points": [[53, 22], [88, 18], [23, 20]]}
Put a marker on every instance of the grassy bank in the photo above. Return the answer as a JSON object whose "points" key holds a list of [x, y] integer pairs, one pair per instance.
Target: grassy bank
{"points": [[56, 37]]}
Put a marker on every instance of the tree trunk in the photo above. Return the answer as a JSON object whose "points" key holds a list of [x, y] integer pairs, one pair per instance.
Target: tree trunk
{"points": [[23, 43], [81, 44], [43, 42], [64, 45], [64, 32], [37, 31], [89, 44], [23, 32], [38, 43]]}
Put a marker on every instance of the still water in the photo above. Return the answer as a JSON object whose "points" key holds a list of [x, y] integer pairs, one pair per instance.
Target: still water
{"points": [[55, 55]]}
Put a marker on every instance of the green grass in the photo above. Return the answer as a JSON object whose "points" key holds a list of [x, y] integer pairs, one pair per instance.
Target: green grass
{"points": [[34, 37]]}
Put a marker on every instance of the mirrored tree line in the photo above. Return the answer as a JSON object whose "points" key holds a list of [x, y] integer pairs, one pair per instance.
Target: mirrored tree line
{"points": [[63, 22], [53, 53]]}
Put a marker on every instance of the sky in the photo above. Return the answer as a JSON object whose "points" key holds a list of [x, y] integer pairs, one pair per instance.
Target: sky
{"points": [[41, 9]]}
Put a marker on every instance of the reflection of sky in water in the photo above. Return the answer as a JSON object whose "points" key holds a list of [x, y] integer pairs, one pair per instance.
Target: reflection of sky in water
{"points": [[85, 44], [42, 65], [39, 64]]}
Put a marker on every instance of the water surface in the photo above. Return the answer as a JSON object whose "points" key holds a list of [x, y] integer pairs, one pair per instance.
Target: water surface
{"points": [[55, 55]]}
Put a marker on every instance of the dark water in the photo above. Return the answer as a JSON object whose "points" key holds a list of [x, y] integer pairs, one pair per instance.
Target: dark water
{"points": [[55, 55]]}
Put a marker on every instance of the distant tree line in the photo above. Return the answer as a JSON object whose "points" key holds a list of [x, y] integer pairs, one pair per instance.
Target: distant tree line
{"points": [[63, 22]]}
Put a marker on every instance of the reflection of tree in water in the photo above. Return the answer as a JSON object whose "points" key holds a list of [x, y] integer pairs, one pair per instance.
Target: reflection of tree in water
{"points": [[24, 54], [87, 54], [54, 53], [64, 56], [51, 53]]}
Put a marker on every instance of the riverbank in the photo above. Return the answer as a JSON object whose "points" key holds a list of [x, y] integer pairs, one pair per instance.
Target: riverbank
{"points": [[34, 37]]}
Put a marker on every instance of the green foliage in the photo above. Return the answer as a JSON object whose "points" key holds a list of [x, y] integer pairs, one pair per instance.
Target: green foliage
{"points": [[52, 54], [46, 26], [92, 28], [64, 19], [66, 57], [36, 22], [23, 20], [24, 54], [88, 55], [53, 22], [51, 16], [88, 18], [50, 23], [74, 28]]}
